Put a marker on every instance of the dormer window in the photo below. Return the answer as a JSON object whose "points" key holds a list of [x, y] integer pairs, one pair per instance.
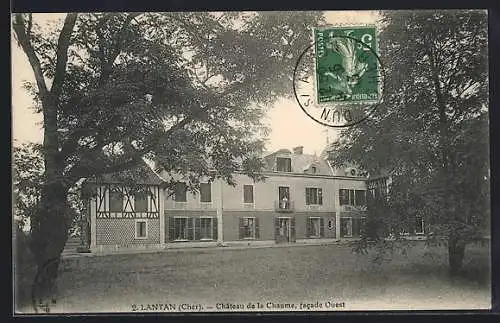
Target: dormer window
{"points": [[313, 169], [283, 164]]}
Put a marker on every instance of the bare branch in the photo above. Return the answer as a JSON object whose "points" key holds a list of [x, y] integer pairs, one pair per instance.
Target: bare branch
{"points": [[23, 40], [62, 54]]}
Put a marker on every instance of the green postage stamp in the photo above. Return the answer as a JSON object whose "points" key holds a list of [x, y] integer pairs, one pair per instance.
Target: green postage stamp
{"points": [[347, 65]]}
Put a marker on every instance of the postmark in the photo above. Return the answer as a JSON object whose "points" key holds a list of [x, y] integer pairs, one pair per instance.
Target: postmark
{"points": [[338, 79]]}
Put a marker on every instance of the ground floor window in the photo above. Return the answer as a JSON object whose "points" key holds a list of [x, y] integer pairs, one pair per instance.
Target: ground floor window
{"points": [[182, 228], [192, 228], [351, 227], [206, 228], [315, 227], [141, 229], [249, 228]]}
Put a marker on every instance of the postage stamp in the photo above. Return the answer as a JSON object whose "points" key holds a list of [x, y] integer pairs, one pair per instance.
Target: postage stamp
{"points": [[347, 67], [338, 80]]}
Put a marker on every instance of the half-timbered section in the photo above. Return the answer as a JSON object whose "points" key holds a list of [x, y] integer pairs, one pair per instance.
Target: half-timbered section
{"points": [[126, 216]]}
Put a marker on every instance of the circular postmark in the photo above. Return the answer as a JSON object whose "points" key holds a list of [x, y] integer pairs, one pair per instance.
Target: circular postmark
{"points": [[338, 79]]}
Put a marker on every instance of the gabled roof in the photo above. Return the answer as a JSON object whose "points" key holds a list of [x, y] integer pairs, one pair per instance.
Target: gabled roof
{"points": [[142, 174]]}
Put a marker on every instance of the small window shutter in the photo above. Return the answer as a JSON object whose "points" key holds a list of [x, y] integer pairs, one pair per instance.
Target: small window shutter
{"points": [[307, 196], [320, 196], [257, 236], [197, 228], [171, 229], [214, 232], [321, 227], [276, 228], [308, 227], [242, 228], [247, 193], [142, 229], [292, 229], [205, 192], [190, 228]]}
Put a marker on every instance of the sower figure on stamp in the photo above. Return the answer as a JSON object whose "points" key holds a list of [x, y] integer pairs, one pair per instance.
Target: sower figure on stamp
{"points": [[349, 73]]}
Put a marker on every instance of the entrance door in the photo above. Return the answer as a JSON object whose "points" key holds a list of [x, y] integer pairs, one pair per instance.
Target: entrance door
{"points": [[285, 231]]}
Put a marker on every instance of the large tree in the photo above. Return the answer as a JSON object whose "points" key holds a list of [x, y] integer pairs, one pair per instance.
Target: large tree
{"points": [[185, 89], [431, 131]]}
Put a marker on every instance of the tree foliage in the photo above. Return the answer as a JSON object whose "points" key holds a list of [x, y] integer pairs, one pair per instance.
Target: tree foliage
{"points": [[431, 131], [183, 89]]}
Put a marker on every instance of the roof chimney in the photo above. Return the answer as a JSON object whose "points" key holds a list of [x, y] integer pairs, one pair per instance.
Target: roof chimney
{"points": [[298, 150]]}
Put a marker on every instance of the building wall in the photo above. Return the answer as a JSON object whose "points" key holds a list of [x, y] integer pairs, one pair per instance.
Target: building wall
{"points": [[266, 193], [122, 232], [227, 207], [193, 200], [230, 198]]}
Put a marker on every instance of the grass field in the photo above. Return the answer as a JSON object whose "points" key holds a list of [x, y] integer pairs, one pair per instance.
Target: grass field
{"points": [[307, 274]]}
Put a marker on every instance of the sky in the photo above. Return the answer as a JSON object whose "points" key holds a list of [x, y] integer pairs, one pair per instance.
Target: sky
{"points": [[290, 126]]}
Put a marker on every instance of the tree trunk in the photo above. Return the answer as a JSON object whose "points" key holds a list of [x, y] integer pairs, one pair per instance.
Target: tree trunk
{"points": [[50, 233], [456, 253]]}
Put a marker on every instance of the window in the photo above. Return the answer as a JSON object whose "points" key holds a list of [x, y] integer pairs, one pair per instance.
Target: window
{"points": [[315, 227], [192, 228], [205, 231], [247, 193], [141, 201], [249, 228], [284, 197], [115, 201], [205, 192], [352, 197], [313, 169], [350, 227], [283, 164], [344, 197], [314, 196], [345, 227], [360, 197], [182, 229], [180, 192], [141, 229]]}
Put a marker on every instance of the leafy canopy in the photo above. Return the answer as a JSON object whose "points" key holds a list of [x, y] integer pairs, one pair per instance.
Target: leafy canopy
{"points": [[431, 131], [184, 89]]}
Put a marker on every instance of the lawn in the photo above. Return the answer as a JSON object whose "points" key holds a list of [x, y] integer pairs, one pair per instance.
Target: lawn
{"points": [[326, 274]]}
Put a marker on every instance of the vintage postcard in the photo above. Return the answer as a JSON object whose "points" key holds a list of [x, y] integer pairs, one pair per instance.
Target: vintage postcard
{"points": [[182, 162]]}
